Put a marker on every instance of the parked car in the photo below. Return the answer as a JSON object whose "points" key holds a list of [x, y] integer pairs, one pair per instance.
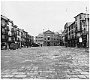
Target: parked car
{"points": [[35, 45], [13, 46]]}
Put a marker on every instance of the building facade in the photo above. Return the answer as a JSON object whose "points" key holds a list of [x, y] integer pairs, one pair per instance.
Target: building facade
{"points": [[66, 32], [4, 32], [12, 36], [77, 32], [39, 39], [50, 38], [82, 29], [72, 35], [63, 38]]}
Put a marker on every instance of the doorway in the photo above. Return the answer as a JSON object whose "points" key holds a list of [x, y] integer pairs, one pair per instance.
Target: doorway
{"points": [[48, 43]]}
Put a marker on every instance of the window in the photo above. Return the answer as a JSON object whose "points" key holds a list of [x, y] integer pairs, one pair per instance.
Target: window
{"points": [[3, 30], [48, 38], [84, 29], [3, 23], [72, 32], [76, 19], [12, 29], [9, 38], [3, 36], [18, 33], [80, 16]]}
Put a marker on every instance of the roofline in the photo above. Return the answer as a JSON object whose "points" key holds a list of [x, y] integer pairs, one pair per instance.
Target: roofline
{"points": [[67, 23], [72, 23], [50, 31], [79, 14], [4, 17]]}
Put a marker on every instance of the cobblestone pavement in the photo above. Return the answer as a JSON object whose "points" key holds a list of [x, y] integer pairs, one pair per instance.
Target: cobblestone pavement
{"points": [[45, 63]]}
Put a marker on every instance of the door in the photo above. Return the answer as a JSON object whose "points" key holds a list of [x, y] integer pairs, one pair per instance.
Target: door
{"points": [[48, 43]]}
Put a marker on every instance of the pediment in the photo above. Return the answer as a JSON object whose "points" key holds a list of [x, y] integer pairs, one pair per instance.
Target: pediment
{"points": [[48, 32]]}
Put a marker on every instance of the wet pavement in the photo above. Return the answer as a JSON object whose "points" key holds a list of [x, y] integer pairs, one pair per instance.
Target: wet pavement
{"points": [[54, 62]]}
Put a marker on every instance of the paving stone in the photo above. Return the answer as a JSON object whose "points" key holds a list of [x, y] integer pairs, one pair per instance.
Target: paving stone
{"points": [[15, 73], [73, 73], [77, 69], [87, 75], [54, 64], [82, 76], [31, 71], [28, 67], [20, 76], [40, 71], [23, 67], [51, 69], [84, 72], [41, 77], [7, 76], [14, 70], [47, 71], [69, 76], [34, 73], [74, 76], [21, 72], [6, 71], [34, 68]]}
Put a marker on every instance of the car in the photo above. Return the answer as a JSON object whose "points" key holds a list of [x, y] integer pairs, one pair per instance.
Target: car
{"points": [[35, 45], [13, 46]]}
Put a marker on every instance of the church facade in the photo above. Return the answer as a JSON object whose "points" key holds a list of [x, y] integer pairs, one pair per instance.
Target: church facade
{"points": [[50, 38]]}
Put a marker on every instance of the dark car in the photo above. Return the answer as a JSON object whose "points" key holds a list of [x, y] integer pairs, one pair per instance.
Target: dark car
{"points": [[35, 45], [13, 46]]}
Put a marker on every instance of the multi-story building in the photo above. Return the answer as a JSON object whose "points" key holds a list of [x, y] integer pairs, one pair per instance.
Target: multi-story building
{"points": [[23, 36], [32, 40], [82, 29], [4, 32], [50, 38], [71, 35], [57, 38], [27, 40], [12, 36], [19, 37], [63, 38], [66, 32], [39, 39], [14, 33], [77, 32]]}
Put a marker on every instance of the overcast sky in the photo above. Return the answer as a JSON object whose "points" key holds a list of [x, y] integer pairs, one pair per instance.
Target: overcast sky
{"points": [[34, 16]]}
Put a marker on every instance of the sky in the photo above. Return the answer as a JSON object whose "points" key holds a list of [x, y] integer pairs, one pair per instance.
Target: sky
{"points": [[38, 16]]}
